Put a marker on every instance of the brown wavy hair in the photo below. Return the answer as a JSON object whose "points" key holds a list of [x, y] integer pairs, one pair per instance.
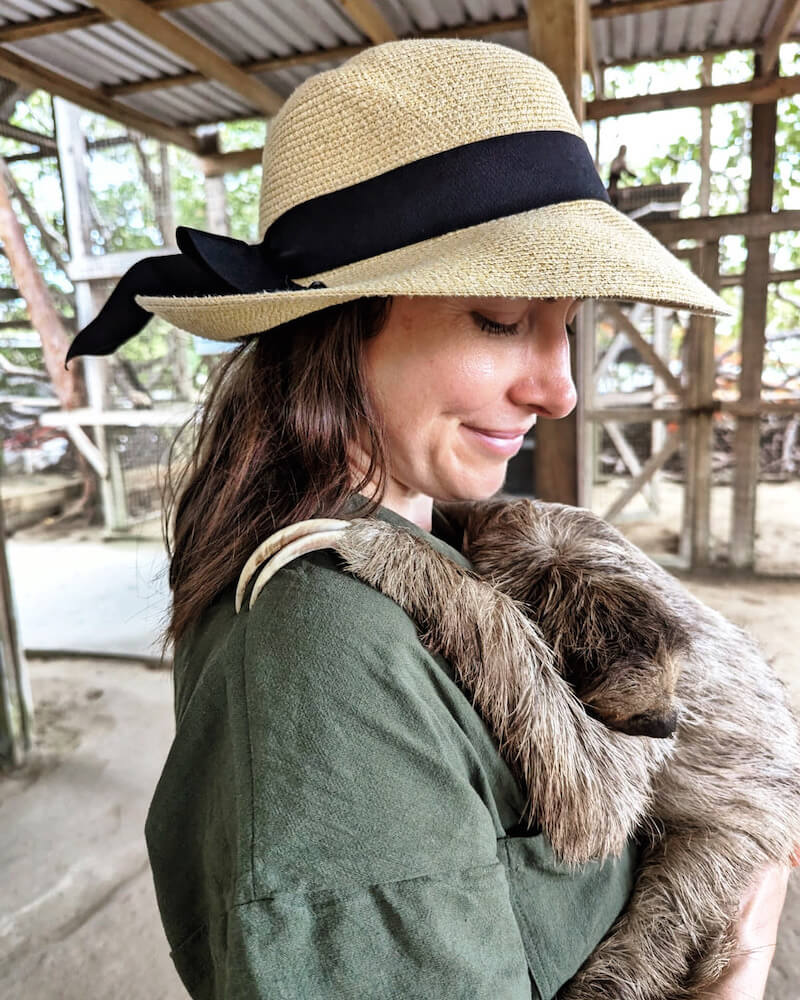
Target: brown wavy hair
{"points": [[270, 447]]}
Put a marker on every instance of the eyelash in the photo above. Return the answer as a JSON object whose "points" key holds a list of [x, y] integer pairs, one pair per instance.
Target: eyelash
{"points": [[503, 330], [497, 329]]}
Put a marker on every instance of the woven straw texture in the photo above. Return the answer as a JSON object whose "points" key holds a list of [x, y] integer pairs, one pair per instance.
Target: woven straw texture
{"points": [[396, 103], [400, 101]]}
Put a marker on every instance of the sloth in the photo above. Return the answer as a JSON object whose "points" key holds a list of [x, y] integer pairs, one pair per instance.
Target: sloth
{"points": [[624, 706]]}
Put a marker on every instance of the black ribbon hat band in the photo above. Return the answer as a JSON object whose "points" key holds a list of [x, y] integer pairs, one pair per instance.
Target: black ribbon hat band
{"points": [[438, 194]]}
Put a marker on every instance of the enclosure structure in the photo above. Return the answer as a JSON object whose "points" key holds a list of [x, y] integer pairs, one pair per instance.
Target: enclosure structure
{"points": [[166, 68]]}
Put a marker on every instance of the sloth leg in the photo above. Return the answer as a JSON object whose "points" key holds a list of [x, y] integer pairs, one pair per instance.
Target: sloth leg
{"points": [[676, 935]]}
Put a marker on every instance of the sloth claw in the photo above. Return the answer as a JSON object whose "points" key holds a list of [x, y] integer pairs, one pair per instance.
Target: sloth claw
{"points": [[281, 548]]}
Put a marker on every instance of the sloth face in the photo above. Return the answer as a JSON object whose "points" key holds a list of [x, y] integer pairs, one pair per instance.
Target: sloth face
{"points": [[595, 598]]}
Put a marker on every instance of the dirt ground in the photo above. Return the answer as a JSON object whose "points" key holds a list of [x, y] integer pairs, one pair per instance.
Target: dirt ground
{"points": [[78, 919]]}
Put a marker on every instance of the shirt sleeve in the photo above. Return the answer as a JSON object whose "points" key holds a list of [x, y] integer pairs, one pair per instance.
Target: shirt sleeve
{"points": [[367, 855]]}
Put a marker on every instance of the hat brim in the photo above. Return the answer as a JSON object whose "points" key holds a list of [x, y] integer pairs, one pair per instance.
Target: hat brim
{"points": [[583, 249]]}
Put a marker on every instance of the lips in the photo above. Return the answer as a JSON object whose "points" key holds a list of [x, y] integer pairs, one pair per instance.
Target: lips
{"points": [[503, 435], [501, 443]]}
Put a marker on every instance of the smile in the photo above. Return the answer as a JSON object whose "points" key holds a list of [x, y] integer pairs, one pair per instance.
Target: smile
{"points": [[503, 443]]}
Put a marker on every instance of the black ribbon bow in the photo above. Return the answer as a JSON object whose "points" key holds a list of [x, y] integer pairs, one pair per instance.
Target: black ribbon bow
{"points": [[429, 197]]}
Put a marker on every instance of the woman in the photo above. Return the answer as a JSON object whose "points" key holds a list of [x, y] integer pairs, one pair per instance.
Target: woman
{"points": [[334, 818]]}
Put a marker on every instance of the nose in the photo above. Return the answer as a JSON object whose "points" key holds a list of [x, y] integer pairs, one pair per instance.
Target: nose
{"points": [[546, 384]]}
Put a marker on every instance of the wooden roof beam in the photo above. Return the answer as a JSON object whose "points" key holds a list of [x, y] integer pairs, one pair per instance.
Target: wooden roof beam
{"points": [[342, 52], [217, 164], [36, 76], [367, 18], [39, 139], [619, 8], [592, 66], [209, 62], [84, 18], [758, 91], [36, 27], [712, 227], [780, 32]]}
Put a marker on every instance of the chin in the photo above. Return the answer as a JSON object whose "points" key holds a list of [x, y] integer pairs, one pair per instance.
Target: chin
{"points": [[475, 487]]}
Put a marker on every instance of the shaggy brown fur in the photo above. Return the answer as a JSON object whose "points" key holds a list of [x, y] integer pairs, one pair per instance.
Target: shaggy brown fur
{"points": [[564, 608]]}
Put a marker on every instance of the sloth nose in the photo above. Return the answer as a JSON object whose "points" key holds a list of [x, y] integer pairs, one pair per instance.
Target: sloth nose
{"points": [[656, 726]]}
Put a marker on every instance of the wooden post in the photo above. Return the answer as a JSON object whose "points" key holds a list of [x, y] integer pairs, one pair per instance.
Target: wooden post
{"points": [[585, 352], [658, 430], [695, 543], [16, 702], [217, 218], [557, 32], [754, 317], [704, 197], [75, 186]]}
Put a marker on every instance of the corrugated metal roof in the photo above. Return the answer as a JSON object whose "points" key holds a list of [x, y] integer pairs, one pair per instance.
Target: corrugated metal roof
{"points": [[251, 31]]}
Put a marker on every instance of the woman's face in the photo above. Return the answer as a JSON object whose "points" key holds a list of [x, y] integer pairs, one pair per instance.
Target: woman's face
{"points": [[459, 381]]}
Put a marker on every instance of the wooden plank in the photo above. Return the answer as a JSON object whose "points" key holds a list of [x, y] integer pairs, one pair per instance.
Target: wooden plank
{"points": [[754, 316], [636, 414], [184, 45], [662, 328], [779, 33], [592, 65], [671, 445], [687, 53], [695, 540], [337, 54], [586, 349], [84, 18], [36, 76], [704, 195], [628, 456], [674, 414], [16, 700], [169, 416], [367, 18], [623, 8], [734, 280], [557, 36], [756, 224], [99, 267], [217, 164], [88, 449], [40, 139], [758, 91], [644, 348]]}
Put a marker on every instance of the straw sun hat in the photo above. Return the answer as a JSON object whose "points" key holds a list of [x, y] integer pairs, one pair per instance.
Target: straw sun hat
{"points": [[418, 167]]}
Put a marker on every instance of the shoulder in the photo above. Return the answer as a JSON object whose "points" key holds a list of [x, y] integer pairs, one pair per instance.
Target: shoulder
{"points": [[312, 609], [355, 734]]}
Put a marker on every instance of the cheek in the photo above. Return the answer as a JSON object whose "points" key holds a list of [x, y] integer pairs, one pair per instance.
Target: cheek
{"points": [[473, 379]]}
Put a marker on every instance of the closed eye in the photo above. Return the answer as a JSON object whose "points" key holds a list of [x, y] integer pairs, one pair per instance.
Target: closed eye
{"points": [[490, 326]]}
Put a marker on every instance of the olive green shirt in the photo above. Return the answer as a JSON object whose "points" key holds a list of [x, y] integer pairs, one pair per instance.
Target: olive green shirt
{"points": [[334, 819]]}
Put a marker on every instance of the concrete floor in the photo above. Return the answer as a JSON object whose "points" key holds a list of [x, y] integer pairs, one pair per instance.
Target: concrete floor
{"points": [[78, 918], [89, 595]]}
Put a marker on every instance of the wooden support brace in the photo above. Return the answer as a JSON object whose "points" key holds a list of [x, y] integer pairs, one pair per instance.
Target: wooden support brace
{"points": [[88, 449], [644, 348], [671, 445], [628, 456]]}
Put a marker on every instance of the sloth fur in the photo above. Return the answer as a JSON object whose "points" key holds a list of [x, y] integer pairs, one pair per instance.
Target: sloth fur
{"points": [[581, 653]]}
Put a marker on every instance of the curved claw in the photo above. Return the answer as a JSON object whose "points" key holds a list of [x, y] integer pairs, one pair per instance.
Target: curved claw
{"points": [[277, 541], [300, 546]]}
